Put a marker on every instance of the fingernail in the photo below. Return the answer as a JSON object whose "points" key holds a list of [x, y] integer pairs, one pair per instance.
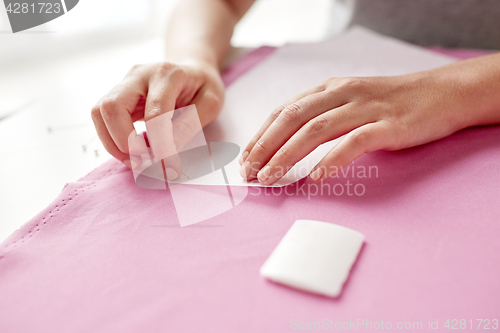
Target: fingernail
{"points": [[264, 174], [171, 174], [316, 174], [243, 157], [244, 170]]}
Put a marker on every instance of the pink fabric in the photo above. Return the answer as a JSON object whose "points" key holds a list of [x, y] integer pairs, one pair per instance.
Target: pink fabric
{"points": [[460, 53], [108, 256], [237, 69]]}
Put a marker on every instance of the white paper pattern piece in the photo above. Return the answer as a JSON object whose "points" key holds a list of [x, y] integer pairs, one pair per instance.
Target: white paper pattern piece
{"points": [[295, 68], [314, 256]]}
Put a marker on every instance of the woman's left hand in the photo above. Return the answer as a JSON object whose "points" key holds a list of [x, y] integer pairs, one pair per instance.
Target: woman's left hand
{"points": [[374, 113]]}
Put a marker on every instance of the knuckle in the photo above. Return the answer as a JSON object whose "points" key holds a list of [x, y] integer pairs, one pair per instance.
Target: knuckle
{"points": [[95, 112], [134, 68], [165, 67], [284, 153], [292, 112], [153, 112], [375, 107], [318, 124], [178, 74], [276, 112], [109, 106], [353, 84], [172, 71], [328, 83], [162, 70], [260, 148], [322, 86], [360, 138]]}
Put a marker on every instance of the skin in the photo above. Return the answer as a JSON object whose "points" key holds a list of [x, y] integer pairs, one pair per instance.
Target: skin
{"points": [[197, 39], [375, 113]]}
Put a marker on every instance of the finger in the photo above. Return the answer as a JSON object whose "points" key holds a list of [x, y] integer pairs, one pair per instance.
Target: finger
{"points": [[161, 140], [290, 120], [116, 109], [326, 127], [189, 124], [165, 87], [364, 139], [104, 136], [272, 117], [138, 151]]}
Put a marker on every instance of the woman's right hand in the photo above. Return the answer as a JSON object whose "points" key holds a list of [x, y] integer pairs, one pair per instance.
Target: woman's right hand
{"points": [[151, 90]]}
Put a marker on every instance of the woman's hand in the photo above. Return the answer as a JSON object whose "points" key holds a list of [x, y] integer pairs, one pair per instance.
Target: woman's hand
{"points": [[151, 90], [374, 113]]}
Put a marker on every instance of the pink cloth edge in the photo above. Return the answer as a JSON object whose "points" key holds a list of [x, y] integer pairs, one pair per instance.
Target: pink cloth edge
{"points": [[244, 64], [461, 54], [32, 226]]}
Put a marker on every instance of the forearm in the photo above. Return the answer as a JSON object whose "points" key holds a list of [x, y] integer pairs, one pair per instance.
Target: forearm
{"points": [[201, 30], [476, 89]]}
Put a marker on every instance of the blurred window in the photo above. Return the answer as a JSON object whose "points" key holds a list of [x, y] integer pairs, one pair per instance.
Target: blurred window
{"points": [[98, 15], [102, 23]]}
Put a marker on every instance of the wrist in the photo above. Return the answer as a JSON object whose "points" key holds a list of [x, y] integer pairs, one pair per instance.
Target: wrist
{"points": [[199, 63], [198, 56], [453, 96], [473, 85]]}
